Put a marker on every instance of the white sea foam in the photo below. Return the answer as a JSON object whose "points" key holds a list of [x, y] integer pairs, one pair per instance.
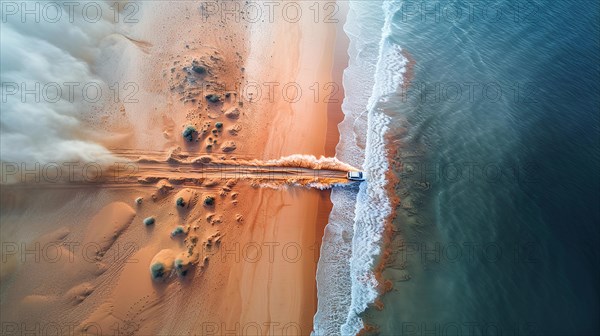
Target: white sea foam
{"points": [[345, 290]]}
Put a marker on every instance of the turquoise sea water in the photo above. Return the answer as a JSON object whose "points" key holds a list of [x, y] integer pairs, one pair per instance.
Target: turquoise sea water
{"points": [[499, 153]]}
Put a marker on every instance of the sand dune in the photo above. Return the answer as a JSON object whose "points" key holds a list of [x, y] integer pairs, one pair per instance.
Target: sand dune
{"points": [[232, 246]]}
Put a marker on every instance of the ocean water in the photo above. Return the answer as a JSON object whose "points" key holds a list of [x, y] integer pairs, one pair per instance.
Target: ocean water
{"points": [[493, 108]]}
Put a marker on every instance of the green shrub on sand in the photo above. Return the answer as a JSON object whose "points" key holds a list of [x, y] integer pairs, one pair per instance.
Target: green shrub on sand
{"points": [[213, 98], [138, 200], [178, 231], [162, 264], [199, 69], [209, 201], [180, 267], [149, 221], [178, 264], [180, 202], [219, 125], [188, 133], [157, 270]]}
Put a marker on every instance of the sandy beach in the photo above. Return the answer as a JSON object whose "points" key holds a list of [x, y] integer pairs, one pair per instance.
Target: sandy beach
{"points": [[245, 263]]}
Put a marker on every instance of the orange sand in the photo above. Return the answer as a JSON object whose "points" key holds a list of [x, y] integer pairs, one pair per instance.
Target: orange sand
{"points": [[251, 258]]}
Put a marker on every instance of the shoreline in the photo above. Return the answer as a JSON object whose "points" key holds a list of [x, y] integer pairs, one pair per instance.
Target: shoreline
{"points": [[335, 116], [308, 127]]}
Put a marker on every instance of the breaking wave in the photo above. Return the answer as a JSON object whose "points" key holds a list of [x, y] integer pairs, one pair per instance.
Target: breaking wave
{"points": [[339, 308]]}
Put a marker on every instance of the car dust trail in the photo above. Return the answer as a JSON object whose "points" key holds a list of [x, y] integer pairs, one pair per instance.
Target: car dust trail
{"points": [[260, 175], [149, 168]]}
